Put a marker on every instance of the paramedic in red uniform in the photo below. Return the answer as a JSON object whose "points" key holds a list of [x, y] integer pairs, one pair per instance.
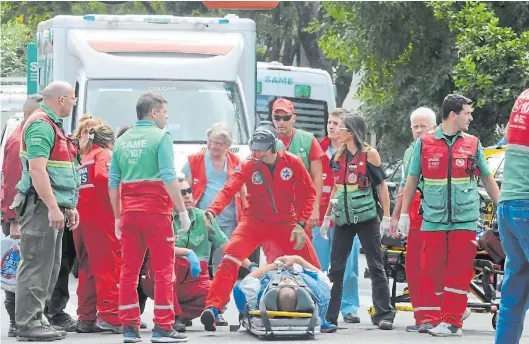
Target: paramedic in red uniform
{"points": [[422, 120], [95, 242], [280, 200], [10, 178], [192, 250], [207, 172], [144, 191], [448, 161], [303, 144]]}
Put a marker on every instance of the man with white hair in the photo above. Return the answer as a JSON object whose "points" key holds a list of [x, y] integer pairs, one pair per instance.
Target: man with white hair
{"points": [[422, 120], [207, 172]]}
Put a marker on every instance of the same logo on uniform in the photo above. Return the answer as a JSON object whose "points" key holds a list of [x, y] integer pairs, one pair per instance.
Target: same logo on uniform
{"points": [[257, 178], [286, 173], [460, 162], [352, 178]]}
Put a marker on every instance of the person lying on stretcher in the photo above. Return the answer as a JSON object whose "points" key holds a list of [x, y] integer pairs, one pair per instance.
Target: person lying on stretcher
{"points": [[248, 292]]}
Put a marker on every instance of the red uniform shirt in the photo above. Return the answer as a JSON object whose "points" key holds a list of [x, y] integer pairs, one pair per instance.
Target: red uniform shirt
{"points": [[11, 173], [284, 197], [328, 178], [316, 152], [94, 202]]}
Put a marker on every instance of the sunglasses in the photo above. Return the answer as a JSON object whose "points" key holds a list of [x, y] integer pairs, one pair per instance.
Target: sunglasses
{"points": [[284, 118], [186, 191]]}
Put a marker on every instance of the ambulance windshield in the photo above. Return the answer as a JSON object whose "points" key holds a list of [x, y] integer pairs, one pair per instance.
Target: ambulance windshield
{"points": [[192, 106]]}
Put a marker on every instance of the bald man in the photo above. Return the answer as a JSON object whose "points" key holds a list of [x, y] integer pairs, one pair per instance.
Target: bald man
{"points": [[45, 205]]}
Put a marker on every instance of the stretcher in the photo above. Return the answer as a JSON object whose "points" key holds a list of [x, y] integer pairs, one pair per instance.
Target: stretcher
{"points": [[270, 323], [484, 284]]}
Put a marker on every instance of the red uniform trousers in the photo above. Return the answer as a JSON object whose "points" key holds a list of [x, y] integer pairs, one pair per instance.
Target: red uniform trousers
{"points": [[272, 251], [99, 259], [189, 292], [446, 259], [413, 255], [249, 234], [139, 231]]}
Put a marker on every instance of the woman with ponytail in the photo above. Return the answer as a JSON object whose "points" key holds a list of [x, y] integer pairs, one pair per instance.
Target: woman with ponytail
{"points": [[358, 178], [98, 249], [81, 133]]}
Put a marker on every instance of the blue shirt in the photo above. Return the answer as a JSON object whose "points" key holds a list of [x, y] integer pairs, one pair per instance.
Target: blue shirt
{"points": [[250, 289], [165, 160], [215, 182]]}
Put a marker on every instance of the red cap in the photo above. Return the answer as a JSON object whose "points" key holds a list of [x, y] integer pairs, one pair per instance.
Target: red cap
{"points": [[283, 105]]}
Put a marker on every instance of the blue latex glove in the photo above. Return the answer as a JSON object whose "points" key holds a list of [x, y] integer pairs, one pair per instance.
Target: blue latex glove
{"points": [[194, 263]]}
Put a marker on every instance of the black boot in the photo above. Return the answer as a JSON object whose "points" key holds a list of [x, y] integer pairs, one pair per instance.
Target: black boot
{"points": [[336, 277], [13, 329]]}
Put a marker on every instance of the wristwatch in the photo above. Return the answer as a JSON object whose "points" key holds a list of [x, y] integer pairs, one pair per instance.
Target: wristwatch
{"points": [[279, 264], [301, 223]]}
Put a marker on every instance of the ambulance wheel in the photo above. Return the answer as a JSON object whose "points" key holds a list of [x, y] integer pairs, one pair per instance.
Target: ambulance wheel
{"points": [[494, 320]]}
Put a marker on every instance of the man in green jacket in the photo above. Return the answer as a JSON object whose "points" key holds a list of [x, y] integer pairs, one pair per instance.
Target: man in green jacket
{"points": [[47, 197], [144, 191]]}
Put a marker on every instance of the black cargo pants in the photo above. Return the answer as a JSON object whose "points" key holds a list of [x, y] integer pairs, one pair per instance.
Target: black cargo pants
{"points": [[369, 234]]}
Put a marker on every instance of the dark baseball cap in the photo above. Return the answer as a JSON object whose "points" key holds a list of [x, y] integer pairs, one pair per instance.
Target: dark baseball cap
{"points": [[263, 138]]}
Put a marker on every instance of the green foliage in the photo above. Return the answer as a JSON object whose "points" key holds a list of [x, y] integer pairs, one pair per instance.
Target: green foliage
{"points": [[404, 57], [413, 54], [494, 60], [13, 56]]}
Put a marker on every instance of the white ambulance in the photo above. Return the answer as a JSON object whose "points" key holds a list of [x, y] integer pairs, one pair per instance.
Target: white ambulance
{"points": [[204, 67], [311, 91]]}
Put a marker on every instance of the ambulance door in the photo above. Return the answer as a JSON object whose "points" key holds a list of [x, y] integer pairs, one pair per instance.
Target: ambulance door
{"points": [[79, 108]]}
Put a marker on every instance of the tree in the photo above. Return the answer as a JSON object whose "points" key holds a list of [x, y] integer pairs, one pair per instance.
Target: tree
{"points": [[15, 35], [405, 60], [413, 54], [493, 67]]}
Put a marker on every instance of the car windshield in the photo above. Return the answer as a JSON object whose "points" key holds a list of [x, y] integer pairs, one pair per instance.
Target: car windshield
{"points": [[192, 106], [311, 115], [495, 163]]}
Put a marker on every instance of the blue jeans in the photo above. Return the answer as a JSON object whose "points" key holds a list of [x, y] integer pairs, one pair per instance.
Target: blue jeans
{"points": [[350, 299], [513, 221]]}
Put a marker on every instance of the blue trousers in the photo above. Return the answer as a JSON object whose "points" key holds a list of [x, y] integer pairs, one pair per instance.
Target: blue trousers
{"points": [[513, 221], [350, 299]]}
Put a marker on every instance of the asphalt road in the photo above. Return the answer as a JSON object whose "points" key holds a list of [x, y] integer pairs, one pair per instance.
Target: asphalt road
{"points": [[477, 328]]}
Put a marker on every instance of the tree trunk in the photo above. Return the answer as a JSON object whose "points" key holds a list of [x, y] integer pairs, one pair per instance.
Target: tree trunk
{"points": [[288, 49], [307, 11], [148, 7], [343, 84], [275, 39]]}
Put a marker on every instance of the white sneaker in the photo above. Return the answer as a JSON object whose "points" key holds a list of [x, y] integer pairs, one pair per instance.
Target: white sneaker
{"points": [[446, 330], [466, 314]]}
